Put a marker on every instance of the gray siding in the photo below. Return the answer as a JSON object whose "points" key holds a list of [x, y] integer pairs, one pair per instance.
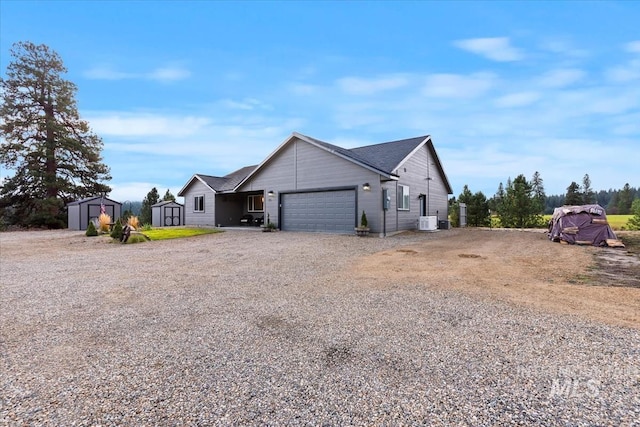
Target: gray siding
{"points": [[206, 218], [302, 166], [414, 173], [167, 214]]}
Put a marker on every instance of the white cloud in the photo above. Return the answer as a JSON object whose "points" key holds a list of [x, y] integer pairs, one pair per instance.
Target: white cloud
{"points": [[301, 89], [162, 74], [136, 125], [564, 48], [561, 77], [167, 74], [495, 48], [633, 47], [624, 73], [371, 86], [125, 192], [457, 85], [247, 104], [518, 99]]}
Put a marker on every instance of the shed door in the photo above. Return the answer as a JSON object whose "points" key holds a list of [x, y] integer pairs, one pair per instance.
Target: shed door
{"points": [[322, 211], [171, 215]]}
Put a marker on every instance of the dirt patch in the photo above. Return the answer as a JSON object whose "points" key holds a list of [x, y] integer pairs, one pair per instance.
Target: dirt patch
{"points": [[619, 267], [518, 267]]}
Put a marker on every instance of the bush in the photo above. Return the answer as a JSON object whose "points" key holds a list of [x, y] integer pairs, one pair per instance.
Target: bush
{"points": [[91, 230], [116, 233], [363, 220], [105, 222], [133, 222]]}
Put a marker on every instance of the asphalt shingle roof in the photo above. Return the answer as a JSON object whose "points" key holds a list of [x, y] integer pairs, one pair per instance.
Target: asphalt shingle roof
{"points": [[385, 156], [227, 182]]}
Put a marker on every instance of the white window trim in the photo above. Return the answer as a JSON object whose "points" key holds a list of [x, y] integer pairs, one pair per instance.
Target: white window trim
{"points": [[195, 204], [405, 198]]}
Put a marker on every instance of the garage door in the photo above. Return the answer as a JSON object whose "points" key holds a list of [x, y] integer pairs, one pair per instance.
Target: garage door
{"points": [[323, 211]]}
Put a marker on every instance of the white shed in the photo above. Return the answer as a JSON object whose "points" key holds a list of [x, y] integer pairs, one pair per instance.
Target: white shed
{"points": [[82, 211], [167, 213]]}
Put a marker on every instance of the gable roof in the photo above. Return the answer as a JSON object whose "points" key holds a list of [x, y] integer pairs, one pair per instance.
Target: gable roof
{"points": [[219, 184], [165, 202], [89, 199], [384, 158]]}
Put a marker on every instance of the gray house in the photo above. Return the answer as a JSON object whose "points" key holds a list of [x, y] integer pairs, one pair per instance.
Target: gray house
{"points": [[82, 211], [310, 185], [166, 214]]}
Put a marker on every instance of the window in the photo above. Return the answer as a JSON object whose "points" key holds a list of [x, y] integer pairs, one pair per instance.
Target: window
{"points": [[255, 203], [403, 197], [198, 204]]}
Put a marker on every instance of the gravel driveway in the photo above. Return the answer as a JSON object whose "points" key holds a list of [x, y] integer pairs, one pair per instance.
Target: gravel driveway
{"points": [[249, 328]]}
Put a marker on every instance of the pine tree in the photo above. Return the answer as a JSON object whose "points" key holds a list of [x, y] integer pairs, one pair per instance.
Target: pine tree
{"points": [[588, 195], [573, 197], [168, 197], [53, 154], [634, 221], [625, 199], [538, 192], [151, 199]]}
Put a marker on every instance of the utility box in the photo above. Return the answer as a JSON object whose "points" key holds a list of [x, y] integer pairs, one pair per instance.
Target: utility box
{"points": [[443, 224], [427, 223]]}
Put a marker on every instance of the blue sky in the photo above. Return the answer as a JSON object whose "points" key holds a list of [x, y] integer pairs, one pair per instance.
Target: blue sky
{"points": [[503, 88]]}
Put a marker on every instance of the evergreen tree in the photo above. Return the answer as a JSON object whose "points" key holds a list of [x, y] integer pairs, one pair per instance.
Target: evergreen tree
{"points": [[168, 197], [625, 199], [519, 207], [573, 197], [588, 195], [53, 154], [478, 214], [539, 197], [151, 199], [634, 221]]}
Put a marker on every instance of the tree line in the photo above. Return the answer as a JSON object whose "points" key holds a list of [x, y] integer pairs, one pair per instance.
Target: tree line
{"points": [[521, 203]]}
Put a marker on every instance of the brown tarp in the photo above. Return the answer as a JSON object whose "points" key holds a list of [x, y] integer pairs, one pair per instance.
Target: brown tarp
{"points": [[586, 225]]}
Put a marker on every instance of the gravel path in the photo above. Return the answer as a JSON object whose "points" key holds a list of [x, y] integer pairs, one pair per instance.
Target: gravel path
{"points": [[246, 328]]}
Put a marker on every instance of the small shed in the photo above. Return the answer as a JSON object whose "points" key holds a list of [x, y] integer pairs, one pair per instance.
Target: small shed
{"points": [[82, 211], [167, 213]]}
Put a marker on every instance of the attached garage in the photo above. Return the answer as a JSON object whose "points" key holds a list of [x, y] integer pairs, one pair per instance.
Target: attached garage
{"points": [[327, 211]]}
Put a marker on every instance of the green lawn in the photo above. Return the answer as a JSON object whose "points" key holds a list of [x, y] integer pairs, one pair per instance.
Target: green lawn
{"points": [[177, 232]]}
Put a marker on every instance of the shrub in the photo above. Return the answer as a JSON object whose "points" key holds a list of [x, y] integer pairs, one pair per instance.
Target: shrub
{"points": [[146, 227], [137, 238], [91, 230], [363, 220], [116, 233], [133, 222], [105, 222]]}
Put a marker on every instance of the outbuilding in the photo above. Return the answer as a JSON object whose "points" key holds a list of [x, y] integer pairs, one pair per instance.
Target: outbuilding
{"points": [[82, 211], [167, 213]]}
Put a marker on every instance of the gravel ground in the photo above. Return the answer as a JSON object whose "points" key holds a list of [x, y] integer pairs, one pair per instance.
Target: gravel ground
{"points": [[249, 328]]}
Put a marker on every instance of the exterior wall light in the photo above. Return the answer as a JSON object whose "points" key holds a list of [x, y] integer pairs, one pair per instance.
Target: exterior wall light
{"points": [[270, 194], [366, 186]]}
